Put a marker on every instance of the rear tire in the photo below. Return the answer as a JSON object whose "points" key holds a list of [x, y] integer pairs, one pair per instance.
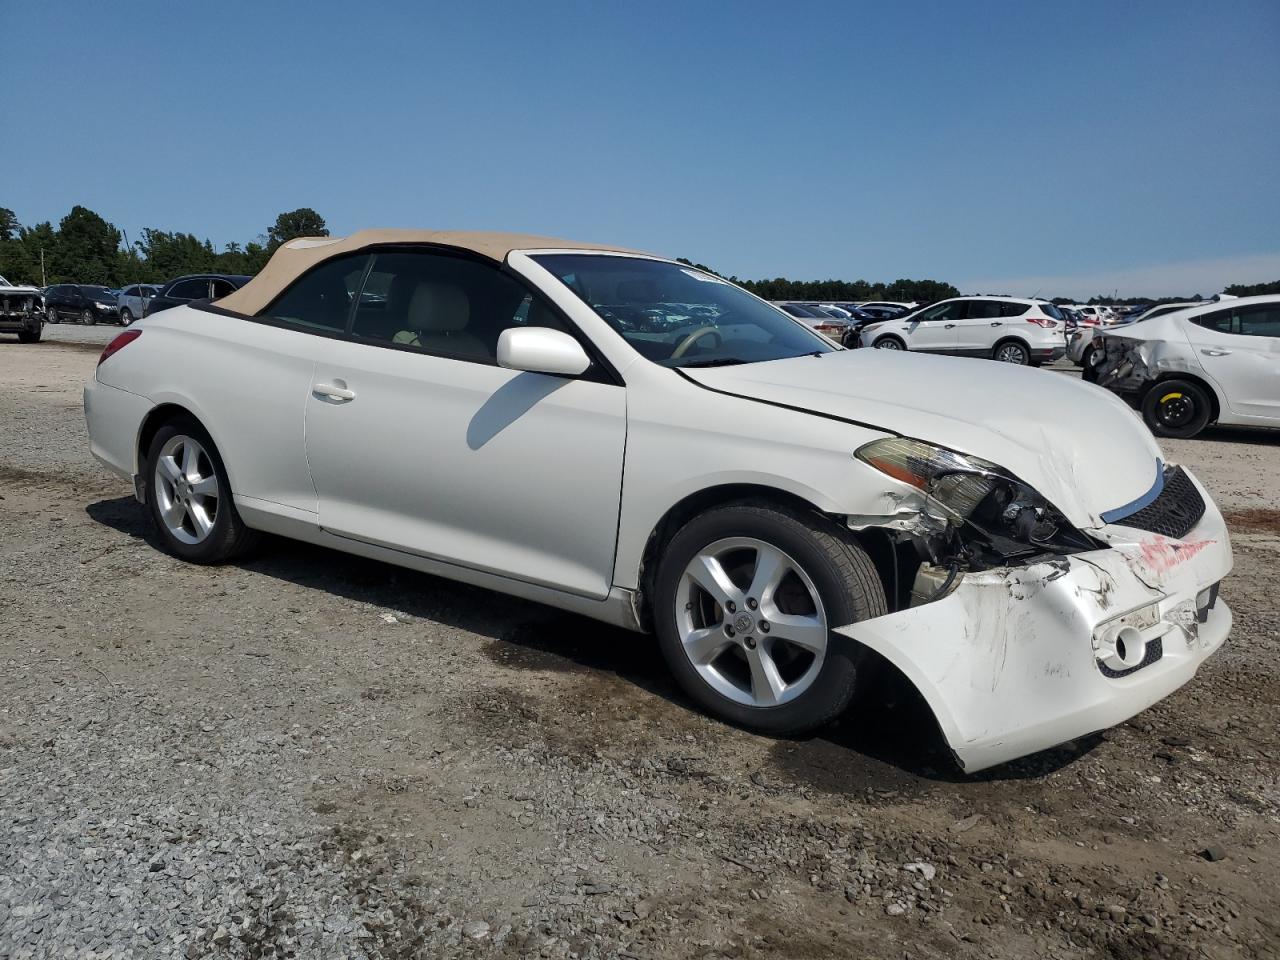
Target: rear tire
{"points": [[769, 662], [1012, 351], [1176, 408], [190, 485]]}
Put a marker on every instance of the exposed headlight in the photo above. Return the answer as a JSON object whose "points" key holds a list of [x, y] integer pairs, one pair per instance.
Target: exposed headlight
{"points": [[105, 306], [975, 493]]}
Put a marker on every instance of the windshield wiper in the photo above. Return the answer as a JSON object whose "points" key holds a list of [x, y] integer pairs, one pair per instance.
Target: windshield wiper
{"points": [[715, 362]]}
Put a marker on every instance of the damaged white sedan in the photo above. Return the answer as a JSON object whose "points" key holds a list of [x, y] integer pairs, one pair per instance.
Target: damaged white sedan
{"points": [[647, 444]]}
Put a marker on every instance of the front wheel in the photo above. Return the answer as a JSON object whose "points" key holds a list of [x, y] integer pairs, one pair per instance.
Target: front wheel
{"points": [[88, 318], [890, 343], [746, 599], [1012, 352], [189, 497], [29, 336], [126, 317], [1176, 408], [50, 315]]}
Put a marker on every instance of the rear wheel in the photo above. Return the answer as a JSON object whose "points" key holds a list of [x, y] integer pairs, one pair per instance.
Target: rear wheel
{"points": [[189, 497], [1176, 408], [1011, 351], [745, 601], [88, 318]]}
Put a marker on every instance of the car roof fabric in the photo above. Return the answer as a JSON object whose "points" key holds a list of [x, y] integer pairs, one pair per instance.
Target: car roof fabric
{"points": [[297, 256]]}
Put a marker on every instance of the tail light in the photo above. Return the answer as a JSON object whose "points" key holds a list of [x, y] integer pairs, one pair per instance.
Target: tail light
{"points": [[830, 329], [1043, 322], [121, 341]]}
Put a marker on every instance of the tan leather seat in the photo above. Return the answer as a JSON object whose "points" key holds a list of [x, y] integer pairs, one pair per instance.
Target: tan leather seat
{"points": [[438, 316]]}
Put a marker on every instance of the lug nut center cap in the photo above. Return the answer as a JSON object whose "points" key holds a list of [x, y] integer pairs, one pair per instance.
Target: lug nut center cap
{"points": [[743, 623]]}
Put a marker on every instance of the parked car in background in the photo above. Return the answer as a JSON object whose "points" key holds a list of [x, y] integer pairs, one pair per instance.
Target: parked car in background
{"points": [[1212, 363], [21, 311], [824, 322], [133, 301], [188, 289], [883, 312], [1082, 347], [87, 303], [901, 308], [649, 445], [1012, 330]]}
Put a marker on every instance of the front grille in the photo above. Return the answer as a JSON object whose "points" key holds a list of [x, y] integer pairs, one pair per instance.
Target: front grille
{"points": [[1175, 512]]}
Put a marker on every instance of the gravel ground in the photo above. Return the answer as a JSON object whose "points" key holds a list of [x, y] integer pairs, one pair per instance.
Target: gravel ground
{"points": [[315, 755]]}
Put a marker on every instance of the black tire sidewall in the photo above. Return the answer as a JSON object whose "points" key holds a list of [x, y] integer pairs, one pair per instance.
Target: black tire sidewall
{"points": [[88, 318], [889, 339], [213, 549], [126, 317], [1026, 354], [831, 690], [1199, 398]]}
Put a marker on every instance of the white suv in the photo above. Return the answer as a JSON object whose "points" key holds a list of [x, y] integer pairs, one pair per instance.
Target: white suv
{"points": [[1003, 328]]}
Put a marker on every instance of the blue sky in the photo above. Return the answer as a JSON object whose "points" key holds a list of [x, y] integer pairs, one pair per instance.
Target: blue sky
{"points": [[995, 145]]}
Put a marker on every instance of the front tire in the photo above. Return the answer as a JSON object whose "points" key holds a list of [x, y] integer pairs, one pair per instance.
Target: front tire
{"points": [[29, 336], [890, 343], [50, 315], [88, 318], [126, 317], [745, 602], [1176, 408], [189, 497]]}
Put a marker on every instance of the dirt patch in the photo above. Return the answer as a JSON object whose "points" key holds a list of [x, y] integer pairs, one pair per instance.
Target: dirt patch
{"points": [[1254, 521]]}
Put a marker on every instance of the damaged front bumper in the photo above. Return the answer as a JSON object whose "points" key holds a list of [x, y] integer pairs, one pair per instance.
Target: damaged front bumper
{"points": [[1018, 659]]}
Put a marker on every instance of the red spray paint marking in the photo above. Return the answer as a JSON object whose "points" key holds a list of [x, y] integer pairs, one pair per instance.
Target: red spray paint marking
{"points": [[1162, 555]]}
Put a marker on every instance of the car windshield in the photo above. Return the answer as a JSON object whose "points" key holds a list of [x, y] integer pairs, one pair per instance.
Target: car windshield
{"points": [[100, 292], [679, 316]]}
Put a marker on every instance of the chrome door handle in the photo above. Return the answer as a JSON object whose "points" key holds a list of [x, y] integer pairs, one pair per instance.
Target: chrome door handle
{"points": [[948, 326], [1216, 353], [997, 323], [333, 392]]}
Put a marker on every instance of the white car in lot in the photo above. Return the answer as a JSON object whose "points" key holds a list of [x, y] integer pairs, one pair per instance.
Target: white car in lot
{"points": [[1081, 346], [1211, 363], [1009, 329], [643, 443]]}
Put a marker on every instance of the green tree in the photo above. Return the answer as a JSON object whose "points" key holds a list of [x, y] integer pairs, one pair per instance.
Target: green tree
{"points": [[303, 222], [1253, 289], [87, 247]]}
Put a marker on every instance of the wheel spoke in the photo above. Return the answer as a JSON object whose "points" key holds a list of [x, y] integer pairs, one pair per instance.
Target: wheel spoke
{"points": [[205, 487], [173, 513], [708, 573], [199, 519], [191, 461], [803, 630], [169, 467], [705, 645], [771, 567], [766, 682]]}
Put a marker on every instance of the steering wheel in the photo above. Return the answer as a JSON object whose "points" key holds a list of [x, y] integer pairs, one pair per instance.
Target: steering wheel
{"points": [[693, 338]]}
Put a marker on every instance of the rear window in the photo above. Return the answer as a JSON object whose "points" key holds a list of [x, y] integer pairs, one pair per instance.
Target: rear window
{"points": [[1010, 309], [1049, 310]]}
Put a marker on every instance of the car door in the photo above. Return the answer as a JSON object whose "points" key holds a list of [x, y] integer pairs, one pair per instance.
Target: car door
{"points": [[418, 441], [933, 330], [1239, 348], [979, 328]]}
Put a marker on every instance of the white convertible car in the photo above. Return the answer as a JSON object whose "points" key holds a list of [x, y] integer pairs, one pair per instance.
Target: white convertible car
{"points": [[644, 443]]}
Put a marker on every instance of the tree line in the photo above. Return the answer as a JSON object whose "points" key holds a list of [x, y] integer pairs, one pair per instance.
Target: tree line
{"points": [[85, 248]]}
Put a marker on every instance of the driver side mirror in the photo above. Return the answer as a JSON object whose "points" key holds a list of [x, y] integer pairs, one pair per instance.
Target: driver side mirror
{"points": [[541, 350]]}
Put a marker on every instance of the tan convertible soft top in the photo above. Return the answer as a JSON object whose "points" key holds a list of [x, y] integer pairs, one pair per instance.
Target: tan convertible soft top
{"points": [[297, 256]]}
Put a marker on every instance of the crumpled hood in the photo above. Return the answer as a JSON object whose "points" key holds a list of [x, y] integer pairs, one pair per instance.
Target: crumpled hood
{"points": [[1076, 443]]}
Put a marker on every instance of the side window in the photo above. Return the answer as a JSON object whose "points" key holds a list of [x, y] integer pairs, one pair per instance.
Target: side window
{"points": [[937, 312], [1010, 309], [1259, 320], [129, 292], [1220, 320], [194, 289], [321, 298], [221, 288], [445, 305], [986, 309]]}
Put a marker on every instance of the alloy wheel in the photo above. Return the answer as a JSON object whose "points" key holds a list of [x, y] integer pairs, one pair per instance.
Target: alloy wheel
{"points": [[186, 490], [1011, 353], [751, 622], [87, 318], [888, 345]]}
